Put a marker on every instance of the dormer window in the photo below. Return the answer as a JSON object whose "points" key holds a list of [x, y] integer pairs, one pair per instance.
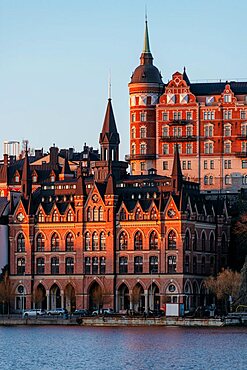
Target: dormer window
{"points": [[143, 116], [52, 178], [17, 178], [34, 179], [227, 98]]}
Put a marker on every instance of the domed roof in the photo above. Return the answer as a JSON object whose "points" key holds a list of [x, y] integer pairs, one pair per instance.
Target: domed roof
{"points": [[146, 73]]}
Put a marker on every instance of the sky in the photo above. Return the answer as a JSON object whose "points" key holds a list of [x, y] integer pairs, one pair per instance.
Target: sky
{"points": [[56, 57]]}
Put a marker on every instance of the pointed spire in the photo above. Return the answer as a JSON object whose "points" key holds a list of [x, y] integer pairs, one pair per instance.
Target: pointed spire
{"points": [[26, 181], [185, 77], [109, 125], [177, 176], [146, 46]]}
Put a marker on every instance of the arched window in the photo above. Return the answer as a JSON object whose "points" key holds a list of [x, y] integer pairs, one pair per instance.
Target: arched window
{"points": [[102, 265], [101, 214], [40, 266], [89, 218], [172, 240], [133, 132], [123, 241], [54, 243], [40, 243], [203, 242], [133, 149], [153, 241], [20, 266], [55, 217], [95, 214], [69, 266], [41, 217], [20, 243], [123, 265], [138, 265], [87, 265], [172, 264], [187, 264], [95, 265], [69, 242], [212, 243], [153, 264], [211, 180], [55, 265], [138, 241], [95, 243], [70, 216], [187, 241], [205, 180], [138, 214], [122, 215], [153, 215], [102, 241], [87, 241], [195, 242]]}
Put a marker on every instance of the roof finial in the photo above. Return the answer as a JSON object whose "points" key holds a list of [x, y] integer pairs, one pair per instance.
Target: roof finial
{"points": [[109, 86], [146, 47]]}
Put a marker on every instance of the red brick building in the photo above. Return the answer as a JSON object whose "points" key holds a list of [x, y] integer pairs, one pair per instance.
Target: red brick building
{"points": [[208, 122], [101, 236]]}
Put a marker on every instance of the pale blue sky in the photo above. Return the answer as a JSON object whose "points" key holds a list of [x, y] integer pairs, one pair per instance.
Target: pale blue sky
{"points": [[55, 57]]}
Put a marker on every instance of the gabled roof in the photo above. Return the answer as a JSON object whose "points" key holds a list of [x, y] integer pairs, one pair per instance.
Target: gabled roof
{"points": [[216, 88]]}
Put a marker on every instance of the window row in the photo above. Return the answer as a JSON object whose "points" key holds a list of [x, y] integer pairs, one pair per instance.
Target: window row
{"points": [[199, 268], [176, 116], [143, 148], [40, 242], [177, 131], [138, 215], [188, 148], [138, 241], [142, 132], [40, 266], [96, 241], [203, 244], [95, 214], [56, 216], [209, 180]]}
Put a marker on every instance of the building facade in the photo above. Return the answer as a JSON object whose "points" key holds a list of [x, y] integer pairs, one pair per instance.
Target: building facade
{"points": [[103, 237], [207, 121]]}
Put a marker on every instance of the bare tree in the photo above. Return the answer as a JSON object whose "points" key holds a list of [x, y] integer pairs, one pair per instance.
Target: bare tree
{"points": [[225, 285], [6, 290]]}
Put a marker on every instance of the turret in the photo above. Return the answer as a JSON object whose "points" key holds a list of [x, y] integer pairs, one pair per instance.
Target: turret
{"points": [[145, 89], [177, 176]]}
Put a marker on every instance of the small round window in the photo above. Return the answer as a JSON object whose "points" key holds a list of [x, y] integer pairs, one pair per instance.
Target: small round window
{"points": [[20, 289], [172, 288]]}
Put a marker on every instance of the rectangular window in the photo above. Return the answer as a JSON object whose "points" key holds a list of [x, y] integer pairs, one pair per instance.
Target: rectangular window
{"points": [[188, 148], [227, 98], [177, 116], [211, 165], [177, 131], [133, 117], [244, 164], [143, 167], [165, 116], [189, 130], [184, 165], [165, 131], [165, 165], [242, 114], [229, 164], [143, 132], [189, 116], [143, 117], [179, 148], [205, 165], [189, 165], [227, 114], [165, 149]]}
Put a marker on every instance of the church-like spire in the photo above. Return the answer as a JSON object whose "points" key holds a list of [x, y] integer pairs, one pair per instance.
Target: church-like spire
{"points": [[26, 181], [109, 137], [146, 46], [177, 176]]}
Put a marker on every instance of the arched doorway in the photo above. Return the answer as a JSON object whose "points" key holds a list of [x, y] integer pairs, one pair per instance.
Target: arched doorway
{"points": [[95, 297], [137, 298], [69, 298], [39, 297], [195, 294], [153, 297], [123, 298], [55, 297]]}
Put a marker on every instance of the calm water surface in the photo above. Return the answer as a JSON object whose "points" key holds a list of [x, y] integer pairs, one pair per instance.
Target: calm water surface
{"points": [[122, 348]]}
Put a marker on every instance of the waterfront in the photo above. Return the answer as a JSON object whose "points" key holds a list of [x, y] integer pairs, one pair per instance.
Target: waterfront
{"points": [[60, 348]]}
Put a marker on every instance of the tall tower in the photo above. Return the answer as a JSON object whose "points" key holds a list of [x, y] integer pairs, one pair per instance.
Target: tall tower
{"points": [[145, 88]]}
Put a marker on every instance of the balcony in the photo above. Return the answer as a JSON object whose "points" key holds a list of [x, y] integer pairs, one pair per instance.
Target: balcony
{"points": [[143, 157], [179, 138], [178, 122]]}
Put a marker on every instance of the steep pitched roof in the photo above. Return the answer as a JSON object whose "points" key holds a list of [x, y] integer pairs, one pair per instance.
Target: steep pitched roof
{"points": [[109, 131]]}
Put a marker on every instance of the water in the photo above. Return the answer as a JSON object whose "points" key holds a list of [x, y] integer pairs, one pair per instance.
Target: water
{"points": [[51, 347]]}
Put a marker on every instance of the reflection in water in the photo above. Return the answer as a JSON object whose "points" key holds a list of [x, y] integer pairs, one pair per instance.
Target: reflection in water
{"points": [[122, 348]]}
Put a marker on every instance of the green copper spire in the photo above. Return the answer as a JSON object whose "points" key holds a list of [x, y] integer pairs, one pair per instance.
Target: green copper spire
{"points": [[146, 47]]}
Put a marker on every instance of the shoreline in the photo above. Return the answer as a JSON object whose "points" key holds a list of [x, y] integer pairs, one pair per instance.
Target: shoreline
{"points": [[104, 321]]}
